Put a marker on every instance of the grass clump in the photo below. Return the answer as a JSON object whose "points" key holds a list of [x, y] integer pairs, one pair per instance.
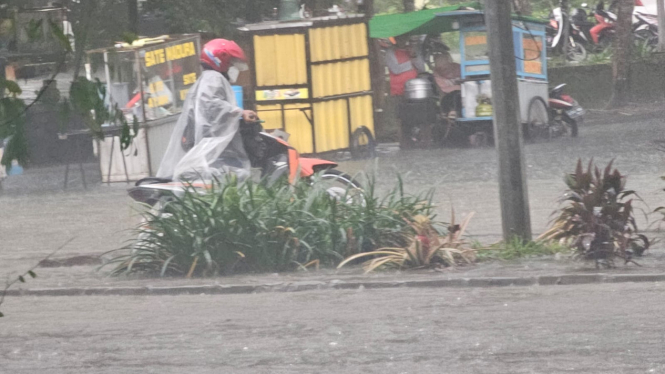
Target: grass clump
{"points": [[518, 248]]}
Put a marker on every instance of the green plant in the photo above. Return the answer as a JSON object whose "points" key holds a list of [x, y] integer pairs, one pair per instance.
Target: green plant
{"points": [[518, 248], [426, 248], [34, 29], [598, 218], [12, 128], [602, 57], [245, 227], [643, 50], [88, 100]]}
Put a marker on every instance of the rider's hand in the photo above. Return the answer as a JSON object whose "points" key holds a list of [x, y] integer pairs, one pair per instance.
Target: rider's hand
{"points": [[249, 116]]}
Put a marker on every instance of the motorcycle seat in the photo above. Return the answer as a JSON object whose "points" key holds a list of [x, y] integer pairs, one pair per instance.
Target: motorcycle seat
{"points": [[152, 180]]}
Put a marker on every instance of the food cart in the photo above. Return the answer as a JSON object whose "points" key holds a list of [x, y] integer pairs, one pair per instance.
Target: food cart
{"points": [[311, 78], [475, 114], [149, 80]]}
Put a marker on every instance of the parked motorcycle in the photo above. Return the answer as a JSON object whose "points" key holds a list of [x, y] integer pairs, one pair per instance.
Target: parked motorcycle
{"points": [[271, 154], [559, 117], [577, 38], [645, 26], [645, 29], [565, 113]]}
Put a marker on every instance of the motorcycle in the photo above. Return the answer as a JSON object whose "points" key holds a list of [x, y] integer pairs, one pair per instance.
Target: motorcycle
{"points": [[577, 37], [603, 33], [565, 113], [645, 29], [272, 155], [645, 26]]}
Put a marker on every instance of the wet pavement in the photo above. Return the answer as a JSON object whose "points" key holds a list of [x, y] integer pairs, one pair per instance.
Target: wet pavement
{"points": [[601, 329]]}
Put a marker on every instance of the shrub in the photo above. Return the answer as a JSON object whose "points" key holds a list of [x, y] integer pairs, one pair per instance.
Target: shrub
{"points": [[598, 219], [427, 247], [245, 226]]}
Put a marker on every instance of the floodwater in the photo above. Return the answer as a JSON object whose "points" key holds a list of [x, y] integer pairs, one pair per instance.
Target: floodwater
{"points": [[466, 178]]}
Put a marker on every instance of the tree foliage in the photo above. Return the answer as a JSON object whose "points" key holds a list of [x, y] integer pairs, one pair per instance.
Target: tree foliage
{"points": [[212, 16]]}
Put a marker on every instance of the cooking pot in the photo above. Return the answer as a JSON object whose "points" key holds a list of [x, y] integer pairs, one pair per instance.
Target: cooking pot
{"points": [[418, 89]]}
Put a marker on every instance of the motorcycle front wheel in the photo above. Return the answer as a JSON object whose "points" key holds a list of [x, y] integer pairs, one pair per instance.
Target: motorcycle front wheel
{"points": [[572, 127], [576, 53], [341, 186]]}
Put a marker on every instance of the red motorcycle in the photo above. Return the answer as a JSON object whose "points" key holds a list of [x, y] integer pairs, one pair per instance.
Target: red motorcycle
{"points": [[269, 153], [565, 113]]}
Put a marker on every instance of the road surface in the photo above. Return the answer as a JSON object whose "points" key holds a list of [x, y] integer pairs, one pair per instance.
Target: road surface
{"points": [[601, 329]]}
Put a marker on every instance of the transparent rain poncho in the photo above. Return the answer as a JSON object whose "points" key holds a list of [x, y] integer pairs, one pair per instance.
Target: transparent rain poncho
{"points": [[209, 126]]}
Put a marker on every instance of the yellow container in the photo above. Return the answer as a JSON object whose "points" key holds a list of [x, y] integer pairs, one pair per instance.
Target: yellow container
{"points": [[312, 79]]}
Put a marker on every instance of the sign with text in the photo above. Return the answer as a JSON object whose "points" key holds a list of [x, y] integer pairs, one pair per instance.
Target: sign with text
{"points": [[168, 71]]}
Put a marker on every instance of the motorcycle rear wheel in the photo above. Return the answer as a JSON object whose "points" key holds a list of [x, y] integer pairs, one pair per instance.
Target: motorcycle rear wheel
{"points": [[538, 121]]}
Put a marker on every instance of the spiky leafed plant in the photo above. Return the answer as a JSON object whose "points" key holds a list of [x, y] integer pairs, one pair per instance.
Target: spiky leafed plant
{"points": [[426, 248], [598, 217]]}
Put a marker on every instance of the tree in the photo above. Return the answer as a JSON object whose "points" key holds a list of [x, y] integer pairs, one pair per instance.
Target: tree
{"points": [[83, 16], [213, 16], [409, 5], [565, 10], [523, 7], [622, 51], [133, 12]]}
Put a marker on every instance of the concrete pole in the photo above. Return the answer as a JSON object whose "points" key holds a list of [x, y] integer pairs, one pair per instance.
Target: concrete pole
{"points": [[661, 25], [507, 122]]}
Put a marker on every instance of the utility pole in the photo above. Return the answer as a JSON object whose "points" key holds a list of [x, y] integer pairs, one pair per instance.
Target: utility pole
{"points": [[661, 25], [507, 122]]}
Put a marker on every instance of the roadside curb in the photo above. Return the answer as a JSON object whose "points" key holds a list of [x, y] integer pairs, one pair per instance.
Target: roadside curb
{"points": [[545, 280]]}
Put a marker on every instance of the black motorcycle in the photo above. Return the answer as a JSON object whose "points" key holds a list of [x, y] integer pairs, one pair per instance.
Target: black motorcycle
{"points": [[578, 36]]}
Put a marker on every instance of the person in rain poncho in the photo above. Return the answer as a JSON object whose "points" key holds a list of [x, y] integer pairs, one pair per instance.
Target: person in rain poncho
{"points": [[206, 143]]}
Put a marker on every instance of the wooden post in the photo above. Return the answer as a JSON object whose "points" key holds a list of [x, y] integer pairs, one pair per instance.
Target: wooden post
{"points": [[507, 122]]}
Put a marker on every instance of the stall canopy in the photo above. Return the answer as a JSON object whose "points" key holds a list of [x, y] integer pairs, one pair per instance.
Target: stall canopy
{"points": [[428, 21]]}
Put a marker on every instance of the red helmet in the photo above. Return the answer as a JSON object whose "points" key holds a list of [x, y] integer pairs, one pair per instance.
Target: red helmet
{"points": [[220, 54]]}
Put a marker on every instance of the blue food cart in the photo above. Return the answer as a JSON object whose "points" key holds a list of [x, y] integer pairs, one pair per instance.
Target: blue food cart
{"points": [[474, 114]]}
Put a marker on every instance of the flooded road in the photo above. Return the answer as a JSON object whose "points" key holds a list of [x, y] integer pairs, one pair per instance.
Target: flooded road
{"points": [[466, 178], [599, 329]]}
